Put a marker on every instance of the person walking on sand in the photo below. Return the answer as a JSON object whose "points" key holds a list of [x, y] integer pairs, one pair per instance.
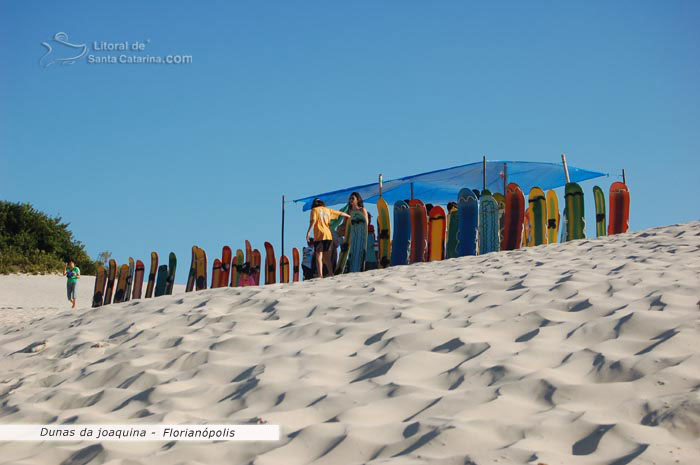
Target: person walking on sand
{"points": [[71, 272], [320, 222]]}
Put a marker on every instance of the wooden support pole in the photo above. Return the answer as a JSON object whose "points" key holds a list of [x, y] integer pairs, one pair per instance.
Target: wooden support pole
{"points": [[283, 225], [624, 179], [566, 168], [380, 185]]}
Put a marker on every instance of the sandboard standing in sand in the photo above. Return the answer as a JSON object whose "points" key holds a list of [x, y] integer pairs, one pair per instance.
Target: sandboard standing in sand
{"points": [[152, 275], [270, 264], [111, 276], [202, 265], [100, 283], [452, 233], [192, 275], [120, 292], [514, 217], [384, 236], [139, 272], [489, 230], [619, 208], [130, 279], [537, 217], [436, 234], [419, 231], [575, 221], [552, 217], [600, 223], [402, 233], [468, 206]]}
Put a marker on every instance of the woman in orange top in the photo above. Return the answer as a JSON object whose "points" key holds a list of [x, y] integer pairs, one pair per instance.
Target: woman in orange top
{"points": [[320, 222]]}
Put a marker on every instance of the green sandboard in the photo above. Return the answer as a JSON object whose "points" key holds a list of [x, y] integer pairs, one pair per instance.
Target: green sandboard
{"points": [[170, 281], [575, 222], [452, 233], [601, 229]]}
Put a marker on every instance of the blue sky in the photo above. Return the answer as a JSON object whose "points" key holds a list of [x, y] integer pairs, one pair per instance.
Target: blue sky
{"points": [[298, 98]]}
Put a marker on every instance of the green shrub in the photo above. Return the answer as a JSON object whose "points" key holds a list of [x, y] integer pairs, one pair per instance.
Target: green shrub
{"points": [[33, 242]]}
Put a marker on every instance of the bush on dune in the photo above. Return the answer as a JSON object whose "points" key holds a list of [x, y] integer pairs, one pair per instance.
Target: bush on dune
{"points": [[33, 242]]}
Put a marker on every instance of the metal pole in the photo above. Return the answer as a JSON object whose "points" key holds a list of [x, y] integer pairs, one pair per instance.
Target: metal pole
{"points": [[380, 185], [283, 225], [411, 191], [566, 168], [624, 179], [484, 173]]}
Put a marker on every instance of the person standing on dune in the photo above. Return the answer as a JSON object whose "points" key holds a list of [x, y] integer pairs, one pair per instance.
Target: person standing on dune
{"points": [[71, 272], [320, 223]]}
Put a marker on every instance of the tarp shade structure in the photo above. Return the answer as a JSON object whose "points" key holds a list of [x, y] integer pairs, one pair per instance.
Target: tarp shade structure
{"points": [[442, 186]]}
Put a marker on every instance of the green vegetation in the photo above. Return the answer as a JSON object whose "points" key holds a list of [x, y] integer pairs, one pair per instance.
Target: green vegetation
{"points": [[33, 242]]}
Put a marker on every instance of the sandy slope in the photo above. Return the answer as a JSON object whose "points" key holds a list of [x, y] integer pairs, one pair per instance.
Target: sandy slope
{"points": [[578, 353]]}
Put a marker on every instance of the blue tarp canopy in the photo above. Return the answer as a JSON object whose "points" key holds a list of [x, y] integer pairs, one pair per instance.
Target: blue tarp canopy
{"points": [[442, 186]]}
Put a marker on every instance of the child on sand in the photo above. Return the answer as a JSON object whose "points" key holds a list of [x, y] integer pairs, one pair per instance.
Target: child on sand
{"points": [[71, 272]]}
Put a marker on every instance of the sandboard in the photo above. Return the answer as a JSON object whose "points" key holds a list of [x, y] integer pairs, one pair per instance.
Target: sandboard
{"points": [[284, 269], [296, 266], [238, 269], [120, 291], [192, 275], [152, 275], [402, 233], [600, 226], [468, 207], [161, 281], [216, 274], [100, 283], [436, 234], [537, 216], [172, 267], [525, 240], [489, 229], [358, 242], [202, 268], [139, 272], [111, 276], [452, 233], [419, 231], [619, 208], [270, 264], [130, 279], [384, 236], [226, 266], [575, 222], [552, 217], [514, 217], [256, 266]]}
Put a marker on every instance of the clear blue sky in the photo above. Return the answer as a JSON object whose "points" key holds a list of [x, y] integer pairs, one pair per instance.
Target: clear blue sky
{"points": [[298, 98]]}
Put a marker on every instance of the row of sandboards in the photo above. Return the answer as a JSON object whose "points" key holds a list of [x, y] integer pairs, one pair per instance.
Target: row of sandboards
{"points": [[492, 222], [116, 284]]}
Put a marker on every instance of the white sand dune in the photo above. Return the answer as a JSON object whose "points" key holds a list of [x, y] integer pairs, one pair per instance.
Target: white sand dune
{"points": [[579, 353]]}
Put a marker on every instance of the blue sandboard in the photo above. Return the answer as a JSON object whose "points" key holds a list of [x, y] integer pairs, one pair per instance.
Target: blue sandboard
{"points": [[489, 229], [402, 233], [468, 207]]}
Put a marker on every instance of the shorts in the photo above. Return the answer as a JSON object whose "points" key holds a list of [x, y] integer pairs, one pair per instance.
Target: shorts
{"points": [[71, 290], [322, 246]]}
